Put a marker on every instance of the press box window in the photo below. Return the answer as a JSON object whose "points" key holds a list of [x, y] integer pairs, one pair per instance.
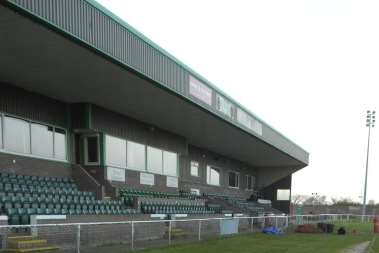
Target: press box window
{"points": [[250, 182], [16, 135], [283, 194], [60, 146], [42, 140], [213, 176], [115, 152], [170, 163], [233, 179], [154, 160], [136, 156], [194, 169]]}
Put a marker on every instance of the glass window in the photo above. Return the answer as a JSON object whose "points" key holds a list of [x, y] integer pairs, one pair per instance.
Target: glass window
{"points": [[154, 160], [115, 151], [283, 194], [170, 163], [42, 140], [194, 168], [16, 135], [92, 149], [224, 106], [233, 179], [136, 156], [1, 131], [250, 182], [60, 144], [213, 176], [200, 91], [195, 191]]}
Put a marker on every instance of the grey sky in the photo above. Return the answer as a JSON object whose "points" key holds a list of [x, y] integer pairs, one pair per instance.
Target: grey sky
{"points": [[307, 67]]}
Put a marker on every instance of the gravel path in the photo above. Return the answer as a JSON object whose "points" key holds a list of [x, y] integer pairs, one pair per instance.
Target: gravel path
{"points": [[359, 248]]}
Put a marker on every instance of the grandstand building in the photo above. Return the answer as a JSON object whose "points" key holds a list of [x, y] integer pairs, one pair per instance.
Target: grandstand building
{"points": [[95, 117]]}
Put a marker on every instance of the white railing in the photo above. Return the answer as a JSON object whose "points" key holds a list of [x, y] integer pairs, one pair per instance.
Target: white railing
{"points": [[137, 234]]}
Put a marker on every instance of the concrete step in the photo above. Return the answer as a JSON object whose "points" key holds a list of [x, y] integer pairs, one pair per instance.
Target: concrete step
{"points": [[39, 249], [26, 244], [21, 237], [176, 233]]}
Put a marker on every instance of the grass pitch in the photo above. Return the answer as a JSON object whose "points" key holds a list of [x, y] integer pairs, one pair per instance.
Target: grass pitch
{"points": [[292, 243]]}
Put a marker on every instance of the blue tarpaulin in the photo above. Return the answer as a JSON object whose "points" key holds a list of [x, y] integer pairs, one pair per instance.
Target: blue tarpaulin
{"points": [[272, 231]]}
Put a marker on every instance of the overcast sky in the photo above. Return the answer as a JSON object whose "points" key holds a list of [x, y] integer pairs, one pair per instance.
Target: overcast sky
{"points": [[310, 68]]}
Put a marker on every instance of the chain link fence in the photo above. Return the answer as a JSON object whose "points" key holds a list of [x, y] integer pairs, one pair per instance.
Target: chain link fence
{"points": [[136, 235]]}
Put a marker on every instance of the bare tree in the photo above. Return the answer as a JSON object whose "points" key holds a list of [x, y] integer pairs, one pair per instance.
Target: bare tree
{"points": [[298, 199]]}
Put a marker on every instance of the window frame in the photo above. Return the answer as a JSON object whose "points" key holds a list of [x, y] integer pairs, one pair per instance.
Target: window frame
{"points": [[31, 124], [277, 194], [145, 156], [219, 176], [197, 168], [65, 142], [252, 182], [176, 165], [145, 147], [3, 115], [85, 143], [106, 162], [238, 179], [147, 160]]}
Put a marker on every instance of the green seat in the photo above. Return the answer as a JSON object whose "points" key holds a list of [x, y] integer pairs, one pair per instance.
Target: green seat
{"points": [[8, 205], [8, 187], [5, 198], [24, 216], [84, 209], [14, 218], [31, 211]]}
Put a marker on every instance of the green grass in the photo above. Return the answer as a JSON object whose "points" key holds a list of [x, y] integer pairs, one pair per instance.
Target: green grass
{"points": [[291, 243], [374, 248], [294, 243], [260, 243], [355, 226]]}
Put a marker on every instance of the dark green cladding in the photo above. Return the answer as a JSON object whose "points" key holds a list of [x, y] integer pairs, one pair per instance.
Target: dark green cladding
{"points": [[96, 27]]}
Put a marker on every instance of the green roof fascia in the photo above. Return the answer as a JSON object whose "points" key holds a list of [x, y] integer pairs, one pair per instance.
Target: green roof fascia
{"points": [[113, 16]]}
